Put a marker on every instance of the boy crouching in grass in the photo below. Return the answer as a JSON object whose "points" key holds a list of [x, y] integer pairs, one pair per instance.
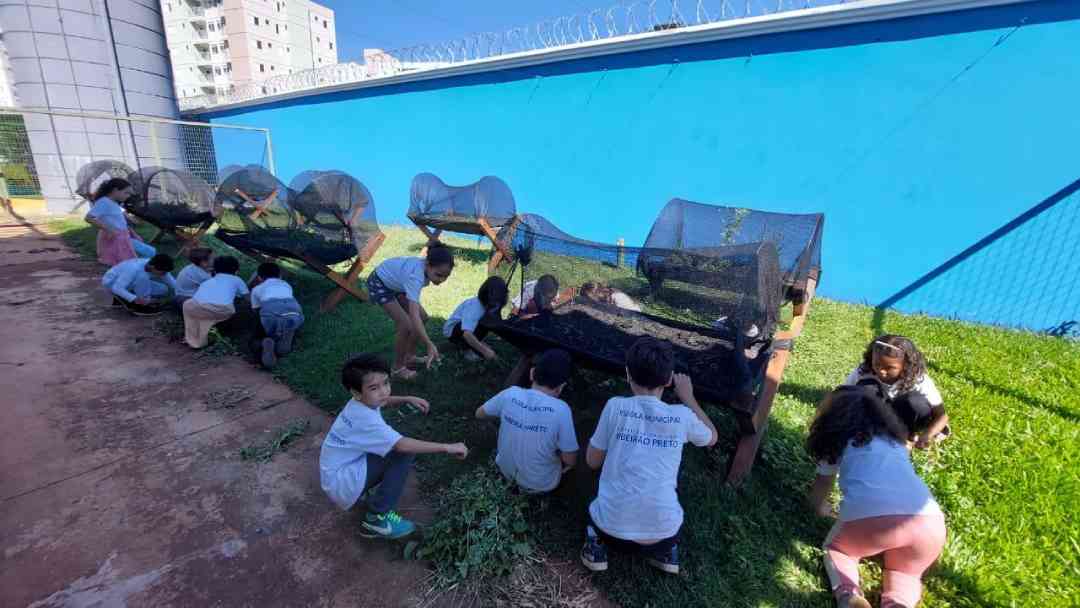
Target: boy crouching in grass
{"points": [[537, 443], [361, 451], [638, 444]]}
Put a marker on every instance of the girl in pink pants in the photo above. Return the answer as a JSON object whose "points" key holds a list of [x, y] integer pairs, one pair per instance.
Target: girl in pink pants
{"points": [[886, 508]]}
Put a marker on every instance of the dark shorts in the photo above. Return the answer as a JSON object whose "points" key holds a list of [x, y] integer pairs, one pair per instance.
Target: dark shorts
{"points": [[381, 294], [457, 337], [628, 546]]}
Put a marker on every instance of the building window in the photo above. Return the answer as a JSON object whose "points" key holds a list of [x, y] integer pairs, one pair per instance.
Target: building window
{"points": [[226, 45], [277, 29], [317, 40], [217, 71], [258, 44], [214, 49], [320, 59], [331, 46], [256, 20], [262, 68], [212, 28], [324, 24], [223, 22], [315, 18], [271, 68], [228, 66]]}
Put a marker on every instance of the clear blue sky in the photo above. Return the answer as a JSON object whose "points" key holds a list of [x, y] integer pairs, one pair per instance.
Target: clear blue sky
{"points": [[391, 24]]}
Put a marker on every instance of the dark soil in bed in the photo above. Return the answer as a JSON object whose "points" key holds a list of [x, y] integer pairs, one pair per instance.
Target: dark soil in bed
{"points": [[598, 337], [170, 216], [290, 245]]}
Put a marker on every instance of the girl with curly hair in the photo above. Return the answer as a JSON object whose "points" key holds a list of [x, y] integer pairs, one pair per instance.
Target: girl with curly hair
{"points": [[885, 507], [896, 367]]}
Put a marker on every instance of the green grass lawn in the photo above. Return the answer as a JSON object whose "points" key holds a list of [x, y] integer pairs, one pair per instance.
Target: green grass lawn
{"points": [[1008, 478]]}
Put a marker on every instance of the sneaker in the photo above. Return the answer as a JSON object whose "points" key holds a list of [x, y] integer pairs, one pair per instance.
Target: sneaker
{"points": [[594, 553], [268, 357], [471, 357], [852, 600], [387, 525], [284, 343], [667, 561]]}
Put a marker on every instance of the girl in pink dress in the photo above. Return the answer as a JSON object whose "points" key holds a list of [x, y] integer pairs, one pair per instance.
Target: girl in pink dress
{"points": [[116, 240]]}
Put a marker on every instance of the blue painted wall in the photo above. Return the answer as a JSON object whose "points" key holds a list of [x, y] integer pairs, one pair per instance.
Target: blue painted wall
{"points": [[916, 137]]}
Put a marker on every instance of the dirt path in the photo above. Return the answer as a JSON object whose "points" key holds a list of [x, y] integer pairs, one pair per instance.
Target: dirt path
{"points": [[120, 480]]}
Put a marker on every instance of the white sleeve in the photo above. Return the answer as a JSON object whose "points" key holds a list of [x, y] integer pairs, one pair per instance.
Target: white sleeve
{"points": [[493, 407], [601, 438], [241, 286], [698, 433], [853, 378], [124, 279], [929, 390], [413, 284], [170, 281], [256, 299], [567, 436], [470, 317], [380, 441]]}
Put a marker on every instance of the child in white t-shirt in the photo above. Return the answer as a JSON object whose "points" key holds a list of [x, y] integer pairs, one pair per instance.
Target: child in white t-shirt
{"points": [[899, 367], [361, 451], [464, 329], [886, 508], [280, 315], [537, 443], [194, 274], [213, 302], [638, 443], [395, 285], [535, 297]]}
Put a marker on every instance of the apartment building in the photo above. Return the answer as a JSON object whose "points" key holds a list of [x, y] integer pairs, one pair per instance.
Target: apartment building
{"points": [[215, 44]]}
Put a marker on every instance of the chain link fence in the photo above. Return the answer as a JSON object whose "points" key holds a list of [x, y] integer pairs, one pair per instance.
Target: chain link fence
{"points": [[618, 21], [41, 151], [1023, 275]]}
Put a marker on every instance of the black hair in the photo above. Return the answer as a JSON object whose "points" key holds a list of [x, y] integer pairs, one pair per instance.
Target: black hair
{"points": [[914, 362], [493, 293], [552, 368], [199, 255], [358, 367], [226, 264], [269, 270], [851, 414], [547, 287], [650, 362], [162, 262], [108, 186], [439, 255]]}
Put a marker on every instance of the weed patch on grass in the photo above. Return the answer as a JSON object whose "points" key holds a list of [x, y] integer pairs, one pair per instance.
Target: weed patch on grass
{"points": [[228, 398], [279, 441]]}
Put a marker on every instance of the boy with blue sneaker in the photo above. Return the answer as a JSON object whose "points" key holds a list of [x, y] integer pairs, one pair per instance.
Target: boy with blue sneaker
{"points": [[638, 443], [362, 454]]}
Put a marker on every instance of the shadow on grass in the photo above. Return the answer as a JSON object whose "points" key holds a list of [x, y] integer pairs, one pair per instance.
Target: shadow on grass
{"points": [[469, 255], [1020, 396]]}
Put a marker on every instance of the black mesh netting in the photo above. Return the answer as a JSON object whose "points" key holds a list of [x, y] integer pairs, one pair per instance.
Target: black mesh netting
{"points": [[170, 198], [609, 296], [92, 175], [712, 231], [459, 208], [328, 222]]}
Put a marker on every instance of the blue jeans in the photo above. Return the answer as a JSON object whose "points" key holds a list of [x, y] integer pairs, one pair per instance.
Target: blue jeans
{"points": [[279, 316], [142, 249], [389, 473]]}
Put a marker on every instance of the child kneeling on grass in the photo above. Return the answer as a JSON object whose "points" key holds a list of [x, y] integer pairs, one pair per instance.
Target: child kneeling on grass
{"points": [[194, 274], [279, 313], [141, 285], [464, 328], [536, 296], [897, 364], [537, 443], [638, 443], [886, 508], [213, 302], [395, 285], [361, 451]]}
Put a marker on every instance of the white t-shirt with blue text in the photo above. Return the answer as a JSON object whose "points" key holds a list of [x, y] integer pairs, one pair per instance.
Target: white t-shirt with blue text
{"points": [[643, 438], [404, 275], [109, 213], [271, 289], [358, 430], [468, 314], [878, 479], [220, 289], [189, 279], [533, 429]]}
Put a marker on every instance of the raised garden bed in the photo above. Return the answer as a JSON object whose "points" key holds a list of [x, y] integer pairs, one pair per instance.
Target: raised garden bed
{"points": [[598, 336], [294, 244]]}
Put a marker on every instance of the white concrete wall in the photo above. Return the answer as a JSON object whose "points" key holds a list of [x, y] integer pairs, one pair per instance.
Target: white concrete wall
{"points": [[89, 55]]}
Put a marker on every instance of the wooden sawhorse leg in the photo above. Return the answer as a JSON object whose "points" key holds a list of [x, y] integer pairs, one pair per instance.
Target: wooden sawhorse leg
{"points": [[347, 283]]}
